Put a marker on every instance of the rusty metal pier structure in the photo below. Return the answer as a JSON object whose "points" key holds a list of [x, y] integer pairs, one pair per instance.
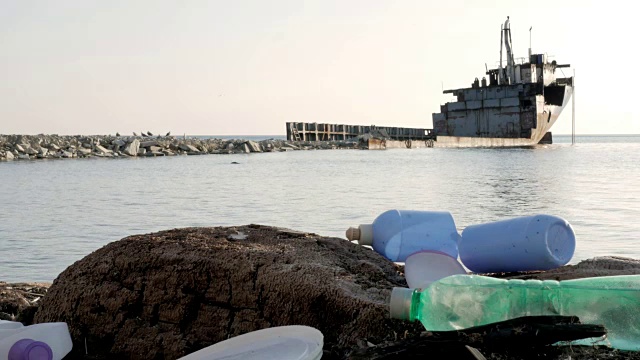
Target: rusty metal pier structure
{"points": [[302, 131]]}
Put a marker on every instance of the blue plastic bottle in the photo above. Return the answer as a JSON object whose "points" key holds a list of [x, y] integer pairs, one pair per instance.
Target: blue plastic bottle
{"points": [[538, 242], [396, 234]]}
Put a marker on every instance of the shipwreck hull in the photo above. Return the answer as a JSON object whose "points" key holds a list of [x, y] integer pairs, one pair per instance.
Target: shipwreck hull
{"points": [[466, 141], [521, 118]]}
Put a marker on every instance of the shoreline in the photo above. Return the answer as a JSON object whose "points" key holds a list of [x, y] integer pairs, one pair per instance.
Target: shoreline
{"points": [[198, 286], [20, 299], [34, 147]]}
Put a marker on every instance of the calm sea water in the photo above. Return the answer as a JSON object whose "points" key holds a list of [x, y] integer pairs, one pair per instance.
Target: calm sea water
{"points": [[55, 212]]}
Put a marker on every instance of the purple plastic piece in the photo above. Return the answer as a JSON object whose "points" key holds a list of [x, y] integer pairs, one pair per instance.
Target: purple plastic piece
{"points": [[29, 349]]}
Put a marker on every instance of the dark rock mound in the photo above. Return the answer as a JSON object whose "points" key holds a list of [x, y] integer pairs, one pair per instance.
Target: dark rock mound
{"points": [[167, 294]]}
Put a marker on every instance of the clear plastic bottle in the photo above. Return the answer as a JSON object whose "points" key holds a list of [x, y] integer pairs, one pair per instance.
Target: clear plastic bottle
{"points": [[396, 234], [463, 301]]}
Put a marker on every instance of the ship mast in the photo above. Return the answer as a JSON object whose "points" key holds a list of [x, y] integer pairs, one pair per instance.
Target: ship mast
{"points": [[508, 46], [500, 71]]}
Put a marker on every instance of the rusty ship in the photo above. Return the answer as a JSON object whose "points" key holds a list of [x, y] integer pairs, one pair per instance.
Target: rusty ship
{"points": [[517, 106]]}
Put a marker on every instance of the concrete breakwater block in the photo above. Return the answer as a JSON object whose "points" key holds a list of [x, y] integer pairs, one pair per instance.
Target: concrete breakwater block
{"points": [[170, 293], [29, 147]]}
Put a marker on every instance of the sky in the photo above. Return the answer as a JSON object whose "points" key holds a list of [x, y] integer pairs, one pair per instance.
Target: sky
{"points": [[247, 67]]}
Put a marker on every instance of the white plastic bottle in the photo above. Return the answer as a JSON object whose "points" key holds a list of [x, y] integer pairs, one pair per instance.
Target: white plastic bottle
{"points": [[396, 234], [9, 325], [538, 242], [34, 340], [291, 342]]}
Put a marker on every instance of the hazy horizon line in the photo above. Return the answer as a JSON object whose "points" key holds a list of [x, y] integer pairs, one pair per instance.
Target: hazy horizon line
{"points": [[253, 135]]}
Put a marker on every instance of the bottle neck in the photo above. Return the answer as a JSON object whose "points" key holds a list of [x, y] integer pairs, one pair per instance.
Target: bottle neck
{"points": [[365, 234], [416, 304]]}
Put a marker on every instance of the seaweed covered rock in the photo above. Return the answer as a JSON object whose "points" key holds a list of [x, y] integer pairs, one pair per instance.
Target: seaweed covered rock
{"points": [[19, 301], [170, 293]]}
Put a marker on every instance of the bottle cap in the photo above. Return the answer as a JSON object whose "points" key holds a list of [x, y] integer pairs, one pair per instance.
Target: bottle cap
{"points": [[424, 267], [363, 233], [353, 234], [29, 349], [400, 303]]}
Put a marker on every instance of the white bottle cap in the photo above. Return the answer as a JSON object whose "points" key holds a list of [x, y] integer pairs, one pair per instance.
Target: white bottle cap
{"points": [[424, 267], [363, 233], [400, 303]]}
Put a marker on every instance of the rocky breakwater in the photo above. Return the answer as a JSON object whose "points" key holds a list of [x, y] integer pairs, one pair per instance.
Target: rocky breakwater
{"points": [[29, 147]]}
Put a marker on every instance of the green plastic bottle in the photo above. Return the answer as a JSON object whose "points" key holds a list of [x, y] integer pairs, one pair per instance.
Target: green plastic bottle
{"points": [[463, 301]]}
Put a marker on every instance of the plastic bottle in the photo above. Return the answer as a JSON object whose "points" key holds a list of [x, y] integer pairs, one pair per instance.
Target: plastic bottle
{"points": [[539, 242], [8, 325], [396, 234], [291, 342], [23, 341], [463, 301]]}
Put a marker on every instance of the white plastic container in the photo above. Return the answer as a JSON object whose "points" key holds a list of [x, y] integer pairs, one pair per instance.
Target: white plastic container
{"points": [[55, 335], [538, 242], [295, 342], [396, 234], [425, 267], [9, 325]]}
